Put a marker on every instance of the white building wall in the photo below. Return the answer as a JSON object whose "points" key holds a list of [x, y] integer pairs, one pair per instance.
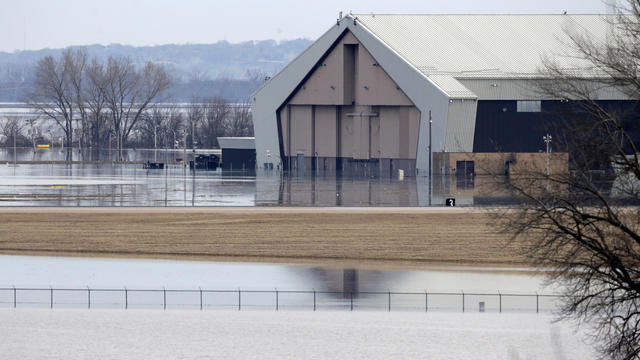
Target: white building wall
{"points": [[461, 126]]}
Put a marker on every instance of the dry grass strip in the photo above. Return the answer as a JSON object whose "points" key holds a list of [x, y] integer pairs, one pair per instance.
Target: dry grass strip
{"points": [[410, 236]]}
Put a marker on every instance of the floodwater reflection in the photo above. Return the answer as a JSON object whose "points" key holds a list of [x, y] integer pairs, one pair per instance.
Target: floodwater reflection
{"points": [[40, 179], [145, 281], [38, 271], [130, 185]]}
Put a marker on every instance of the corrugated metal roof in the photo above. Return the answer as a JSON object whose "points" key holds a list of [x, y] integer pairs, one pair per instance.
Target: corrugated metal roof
{"points": [[451, 86], [446, 47]]}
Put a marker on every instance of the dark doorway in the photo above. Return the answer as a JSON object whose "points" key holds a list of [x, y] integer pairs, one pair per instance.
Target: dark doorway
{"points": [[465, 171]]}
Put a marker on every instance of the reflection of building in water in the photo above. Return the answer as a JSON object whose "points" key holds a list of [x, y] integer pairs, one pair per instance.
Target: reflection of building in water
{"points": [[346, 282], [350, 282], [275, 188]]}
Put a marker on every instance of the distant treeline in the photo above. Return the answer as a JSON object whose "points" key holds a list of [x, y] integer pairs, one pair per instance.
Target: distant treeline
{"points": [[230, 71], [90, 103]]}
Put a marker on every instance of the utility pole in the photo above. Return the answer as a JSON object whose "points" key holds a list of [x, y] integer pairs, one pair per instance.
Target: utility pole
{"points": [[184, 147], [155, 143], [15, 157], [430, 155], [193, 137], [547, 141], [109, 145]]}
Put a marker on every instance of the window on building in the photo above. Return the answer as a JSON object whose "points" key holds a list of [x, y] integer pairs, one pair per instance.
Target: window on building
{"points": [[529, 106]]}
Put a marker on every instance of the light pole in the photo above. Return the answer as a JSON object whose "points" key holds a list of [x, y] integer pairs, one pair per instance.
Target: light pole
{"points": [[15, 157], [430, 155], [184, 147], [547, 141], [193, 136], [155, 143], [109, 145]]}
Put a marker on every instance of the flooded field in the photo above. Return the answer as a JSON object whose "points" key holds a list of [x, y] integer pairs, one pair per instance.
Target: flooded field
{"points": [[66, 282], [44, 181]]}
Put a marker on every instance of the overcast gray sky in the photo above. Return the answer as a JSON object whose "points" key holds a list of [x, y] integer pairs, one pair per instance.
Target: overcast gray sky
{"points": [[36, 24]]}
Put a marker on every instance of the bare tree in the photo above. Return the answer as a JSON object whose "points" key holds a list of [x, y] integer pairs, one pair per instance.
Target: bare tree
{"points": [[195, 115], [52, 95], [96, 102], [128, 93], [13, 128], [579, 223], [160, 127], [256, 77], [240, 122], [76, 62], [216, 113]]}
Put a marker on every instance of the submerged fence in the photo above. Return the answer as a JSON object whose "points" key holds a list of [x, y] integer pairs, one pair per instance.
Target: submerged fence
{"points": [[18, 297]]}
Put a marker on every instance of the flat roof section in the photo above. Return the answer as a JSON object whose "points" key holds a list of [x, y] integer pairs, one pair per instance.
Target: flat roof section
{"points": [[237, 142]]}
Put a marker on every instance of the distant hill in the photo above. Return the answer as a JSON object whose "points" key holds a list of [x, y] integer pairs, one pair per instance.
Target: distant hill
{"points": [[213, 69]]}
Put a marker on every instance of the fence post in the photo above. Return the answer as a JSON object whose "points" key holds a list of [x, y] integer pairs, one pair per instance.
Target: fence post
{"points": [[462, 301], [426, 301], [537, 304], [88, 298], [51, 290], [199, 288], [15, 297], [239, 297], [389, 301], [277, 299], [351, 296], [500, 300], [126, 298], [314, 299], [164, 298]]}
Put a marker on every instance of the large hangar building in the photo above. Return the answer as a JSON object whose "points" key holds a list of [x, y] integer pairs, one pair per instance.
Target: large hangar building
{"points": [[377, 90]]}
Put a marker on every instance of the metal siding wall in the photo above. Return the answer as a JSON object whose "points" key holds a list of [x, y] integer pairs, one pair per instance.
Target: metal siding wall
{"points": [[301, 130], [238, 159], [389, 132], [414, 130], [499, 128], [325, 86], [509, 89], [510, 131], [326, 131], [374, 86], [461, 123]]}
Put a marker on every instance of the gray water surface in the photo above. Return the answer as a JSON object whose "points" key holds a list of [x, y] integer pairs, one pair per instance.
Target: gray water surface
{"points": [[67, 282], [43, 182]]}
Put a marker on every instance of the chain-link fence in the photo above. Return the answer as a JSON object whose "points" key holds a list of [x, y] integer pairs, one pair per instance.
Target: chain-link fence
{"points": [[238, 299]]}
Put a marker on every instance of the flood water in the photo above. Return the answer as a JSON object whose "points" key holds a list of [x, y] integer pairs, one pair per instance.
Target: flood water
{"points": [[43, 182], [146, 279]]}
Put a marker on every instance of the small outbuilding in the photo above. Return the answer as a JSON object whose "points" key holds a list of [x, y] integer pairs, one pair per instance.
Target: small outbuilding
{"points": [[238, 153]]}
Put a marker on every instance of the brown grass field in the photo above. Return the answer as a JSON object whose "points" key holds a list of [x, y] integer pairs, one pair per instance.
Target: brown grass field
{"points": [[395, 237]]}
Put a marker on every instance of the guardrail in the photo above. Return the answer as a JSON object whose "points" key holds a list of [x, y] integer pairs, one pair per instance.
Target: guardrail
{"points": [[274, 299]]}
